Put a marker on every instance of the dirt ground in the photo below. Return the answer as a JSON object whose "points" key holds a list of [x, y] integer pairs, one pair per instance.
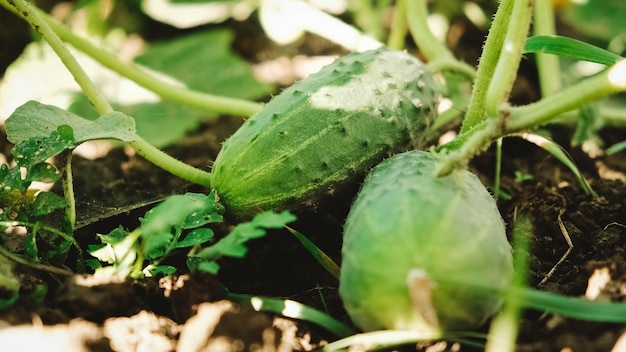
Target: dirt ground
{"points": [[191, 312]]}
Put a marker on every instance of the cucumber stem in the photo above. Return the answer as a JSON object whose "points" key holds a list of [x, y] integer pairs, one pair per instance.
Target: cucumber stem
{"points": [[516, 119], [167, 91], [86, 84], [510, 56], [399, 27], [68, 189], [547, 65], [103, 107], [429, 45], [476, 110], [609, 81], [169, 163]]}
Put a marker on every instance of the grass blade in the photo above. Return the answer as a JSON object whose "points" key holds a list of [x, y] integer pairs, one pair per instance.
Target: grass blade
{"points": [[321, 257], [567, 306], [615, 148], [569, 47], [558, 152], [386, 339], [295, 310]]}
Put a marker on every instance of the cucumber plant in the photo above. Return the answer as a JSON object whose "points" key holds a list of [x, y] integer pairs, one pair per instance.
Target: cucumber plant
{"points": [[326, 131]]}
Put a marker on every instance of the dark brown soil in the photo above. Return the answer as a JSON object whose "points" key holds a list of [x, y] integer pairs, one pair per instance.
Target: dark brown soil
{"points": [[191, 312]]}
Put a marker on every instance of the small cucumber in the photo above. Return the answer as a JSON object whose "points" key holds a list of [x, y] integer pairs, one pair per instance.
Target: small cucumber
{"points": [[325, 132], [407, 228]]}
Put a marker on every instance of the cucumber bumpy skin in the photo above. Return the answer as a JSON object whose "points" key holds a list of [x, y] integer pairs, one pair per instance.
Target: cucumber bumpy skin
{"points": [[408, 227], [325, 132]]}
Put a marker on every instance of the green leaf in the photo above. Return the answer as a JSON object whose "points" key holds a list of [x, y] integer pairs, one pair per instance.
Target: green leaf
{"points": [[271, 220], [195, 237], [569, 47], [103, 252], [46, 203], [212, 212], [204, 61], [30, 245], [113, 237], [92, 264], [164, 270], [233, 245], [43, 172], [209, 267], [34, 119], [163, 123], [160, 123], [600, 19], [35, 150], [169, 214], [155, 245]]}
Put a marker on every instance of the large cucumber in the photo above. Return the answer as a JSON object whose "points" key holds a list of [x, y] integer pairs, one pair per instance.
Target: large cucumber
{"points": [[408, 229], [325, 132]]}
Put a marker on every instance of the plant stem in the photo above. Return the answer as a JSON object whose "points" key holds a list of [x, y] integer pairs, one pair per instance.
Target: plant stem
{"points": [[498, 171], [452, 64], [468, 144], [39, 226], [609, 81], [367, 17], [103, 107], [548, 66], [429, 45], [68, 189], [398, 27], [168, 163], [20, 260], [135, 73], [88, 87], [510, 56], [476, 111]]}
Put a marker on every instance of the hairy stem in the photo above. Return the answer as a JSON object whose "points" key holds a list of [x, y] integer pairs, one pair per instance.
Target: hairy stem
{"points": [[398, 27], [609, 81], [35, 19], [476, 110], [510, 56], [103, 107], [68, 189], [167, 91], [516, 119], [173, 165]]}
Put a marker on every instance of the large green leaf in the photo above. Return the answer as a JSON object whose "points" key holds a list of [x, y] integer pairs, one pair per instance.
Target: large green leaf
{"points": [[37, 120], [204, 61], [600, 19], [160, 123]]}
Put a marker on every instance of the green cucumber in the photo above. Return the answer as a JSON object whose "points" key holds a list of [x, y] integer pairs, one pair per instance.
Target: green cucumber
{"points": [[325, 132], [407, 228]]}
